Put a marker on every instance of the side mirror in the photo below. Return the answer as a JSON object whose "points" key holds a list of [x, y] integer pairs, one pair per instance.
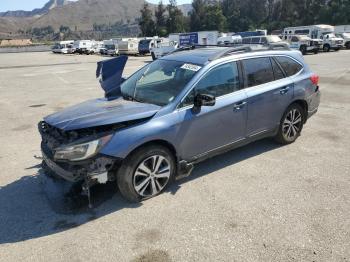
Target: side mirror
{"points": [[204, 100]]}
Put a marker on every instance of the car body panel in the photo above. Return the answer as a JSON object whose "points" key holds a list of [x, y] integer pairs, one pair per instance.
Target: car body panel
{"points": [[266, 105], [99, 112], [222, 124]]}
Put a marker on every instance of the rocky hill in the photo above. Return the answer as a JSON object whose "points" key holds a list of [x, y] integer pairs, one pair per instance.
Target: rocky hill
{"points": [[79, 16], [36, 12]]}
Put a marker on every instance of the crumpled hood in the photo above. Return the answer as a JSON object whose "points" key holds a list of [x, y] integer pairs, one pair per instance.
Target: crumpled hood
{"points": [[100, 112]]}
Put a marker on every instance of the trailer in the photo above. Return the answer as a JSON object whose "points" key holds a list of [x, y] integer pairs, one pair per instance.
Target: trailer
{"points": [[196, 38], [129, 46]]}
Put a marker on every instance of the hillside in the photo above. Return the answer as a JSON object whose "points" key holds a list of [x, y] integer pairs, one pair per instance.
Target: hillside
{"points": [[36, 12], [78, 16]]}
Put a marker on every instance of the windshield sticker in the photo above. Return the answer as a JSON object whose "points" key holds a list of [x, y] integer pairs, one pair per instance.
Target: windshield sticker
{"points": [[191, 67]]}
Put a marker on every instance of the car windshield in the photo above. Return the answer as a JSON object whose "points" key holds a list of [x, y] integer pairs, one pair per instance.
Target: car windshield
{"points": [[159, 83], [110, 47]]}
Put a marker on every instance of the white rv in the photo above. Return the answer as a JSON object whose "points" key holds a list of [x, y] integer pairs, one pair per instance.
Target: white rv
{"points": [[128, 46], [343, 31], [63, 47], [87, 47], [324, 33]]}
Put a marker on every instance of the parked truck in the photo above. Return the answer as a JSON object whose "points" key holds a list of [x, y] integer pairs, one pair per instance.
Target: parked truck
{"points": [[343, 31], [110, 47], [63, 47], [324, 33]]}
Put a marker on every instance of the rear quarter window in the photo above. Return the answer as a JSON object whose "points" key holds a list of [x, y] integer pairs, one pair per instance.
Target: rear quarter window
{"points": [[289, 66], [258, 71]]}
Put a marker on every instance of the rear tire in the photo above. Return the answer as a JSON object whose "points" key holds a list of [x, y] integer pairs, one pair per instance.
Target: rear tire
{"points": [[303, 49], [153, 56], [326, 48], [146, 173], [291, 125]]}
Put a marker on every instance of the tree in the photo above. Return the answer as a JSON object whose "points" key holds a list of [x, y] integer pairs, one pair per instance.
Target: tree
{"points": [[176, 21], [198, 15], [146, 22], [214, 19], [161, 19]]}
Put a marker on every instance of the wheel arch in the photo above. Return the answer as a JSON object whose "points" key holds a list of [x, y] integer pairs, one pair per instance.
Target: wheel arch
{"points": [[304, 105], [160, 142]]}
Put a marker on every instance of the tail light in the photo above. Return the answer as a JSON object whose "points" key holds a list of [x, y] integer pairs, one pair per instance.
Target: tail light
{"points": [[315, 79]]}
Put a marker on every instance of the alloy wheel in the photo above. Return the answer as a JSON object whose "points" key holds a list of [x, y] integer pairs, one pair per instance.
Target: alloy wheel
{"points": [[292, 124], [152, 175]]}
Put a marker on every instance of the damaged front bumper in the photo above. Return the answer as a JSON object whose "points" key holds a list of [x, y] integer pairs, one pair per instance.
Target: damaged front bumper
{"points": [[99, 169]]}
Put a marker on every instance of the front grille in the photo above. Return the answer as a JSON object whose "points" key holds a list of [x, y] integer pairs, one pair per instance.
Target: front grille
{"points": [[52, 137]]}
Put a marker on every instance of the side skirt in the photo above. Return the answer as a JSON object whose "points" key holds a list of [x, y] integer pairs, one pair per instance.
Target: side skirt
{"points": [[185, 167]]}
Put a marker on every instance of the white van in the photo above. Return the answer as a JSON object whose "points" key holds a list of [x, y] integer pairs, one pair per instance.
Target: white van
{"points": [[110, 47], [324, 33], [128, 46], [63, 47], [163, 48]]}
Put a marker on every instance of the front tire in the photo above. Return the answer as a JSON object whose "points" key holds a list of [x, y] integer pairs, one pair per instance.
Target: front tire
{"points": [[291, 125], [146, 173]]}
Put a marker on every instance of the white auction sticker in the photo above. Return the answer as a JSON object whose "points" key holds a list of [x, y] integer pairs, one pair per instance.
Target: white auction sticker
{"points": [[191, 67]]}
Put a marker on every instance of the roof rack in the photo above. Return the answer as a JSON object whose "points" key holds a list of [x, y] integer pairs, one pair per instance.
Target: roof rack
{"points": [[236, 48], [250, 48]]}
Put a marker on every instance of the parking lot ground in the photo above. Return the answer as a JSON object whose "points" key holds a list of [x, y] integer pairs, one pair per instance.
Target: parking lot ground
{"points": [[262, 202]]}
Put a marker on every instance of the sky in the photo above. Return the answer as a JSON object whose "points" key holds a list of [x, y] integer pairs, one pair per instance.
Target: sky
{"points": [[28, 5]]}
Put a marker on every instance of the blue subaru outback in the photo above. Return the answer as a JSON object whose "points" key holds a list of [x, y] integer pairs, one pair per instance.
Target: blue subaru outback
{"points": [[179, 110]]}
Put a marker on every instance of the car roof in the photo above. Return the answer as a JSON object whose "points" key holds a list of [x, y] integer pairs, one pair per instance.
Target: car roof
{"points": [[204, 55], [197, 56]]}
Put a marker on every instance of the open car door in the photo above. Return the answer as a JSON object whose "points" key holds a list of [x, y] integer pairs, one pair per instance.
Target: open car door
{"points": [[110, 73]]}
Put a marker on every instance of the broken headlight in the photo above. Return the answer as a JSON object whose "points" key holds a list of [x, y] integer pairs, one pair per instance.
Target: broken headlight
{"points": [[81, 151]]}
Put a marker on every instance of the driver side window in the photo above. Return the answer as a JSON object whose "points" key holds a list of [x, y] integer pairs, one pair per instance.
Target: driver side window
{"points": [[220, 81]]}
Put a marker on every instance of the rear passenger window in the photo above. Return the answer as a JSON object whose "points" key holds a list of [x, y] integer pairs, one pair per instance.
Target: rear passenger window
{"points": [[277, 71], [258, 71], [289, 66]]}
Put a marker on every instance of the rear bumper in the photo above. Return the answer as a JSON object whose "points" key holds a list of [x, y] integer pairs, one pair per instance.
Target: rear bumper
{"points": [[311, 113]]}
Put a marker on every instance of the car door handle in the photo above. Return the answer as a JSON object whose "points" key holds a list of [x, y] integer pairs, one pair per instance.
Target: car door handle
{"points": [[239, 105], [284, 90]]}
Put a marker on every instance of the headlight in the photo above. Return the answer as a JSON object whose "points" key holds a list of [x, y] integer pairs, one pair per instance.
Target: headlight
{"points": [[77, 152]]}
